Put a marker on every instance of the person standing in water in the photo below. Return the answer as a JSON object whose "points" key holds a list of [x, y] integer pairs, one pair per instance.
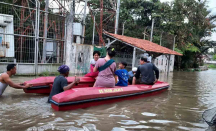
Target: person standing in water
{"points": [[60, 83], [5, 79], [106, 67]]}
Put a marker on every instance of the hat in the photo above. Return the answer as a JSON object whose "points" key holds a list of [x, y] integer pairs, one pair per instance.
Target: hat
{"points": [[134, 69], [63, 69]]}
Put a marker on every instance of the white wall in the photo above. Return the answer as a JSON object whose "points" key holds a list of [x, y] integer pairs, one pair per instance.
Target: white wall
{"points": [[28, 68], [8, 28], [162, 63]]}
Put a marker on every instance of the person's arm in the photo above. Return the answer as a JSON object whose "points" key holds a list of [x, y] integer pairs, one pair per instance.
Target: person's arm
{"points": [[116, 79], [116, 76], [96, 67], [7, 80], [156, 73], [70, 85], [136, 76], [134, 81]]}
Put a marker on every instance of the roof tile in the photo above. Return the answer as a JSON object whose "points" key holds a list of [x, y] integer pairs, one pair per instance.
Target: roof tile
{"points": [[144, 44]]}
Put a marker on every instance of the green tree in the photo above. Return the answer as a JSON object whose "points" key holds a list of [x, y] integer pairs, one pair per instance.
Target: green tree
{"points": [[189, 20], [214, 57]]}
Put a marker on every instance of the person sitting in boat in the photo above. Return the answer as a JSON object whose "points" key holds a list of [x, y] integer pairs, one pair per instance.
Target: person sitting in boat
{"points": [[60, 83], [131, 74], [146, 71], [96, 55], [122, 74], [5, 79], [106, 67]]}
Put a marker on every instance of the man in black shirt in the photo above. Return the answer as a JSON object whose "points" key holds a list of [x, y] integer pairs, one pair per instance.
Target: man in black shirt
{"points": [[60, 83], [146, 71]]}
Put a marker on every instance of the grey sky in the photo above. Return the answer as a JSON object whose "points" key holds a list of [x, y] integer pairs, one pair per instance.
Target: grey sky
{"points": [[212, 7]]}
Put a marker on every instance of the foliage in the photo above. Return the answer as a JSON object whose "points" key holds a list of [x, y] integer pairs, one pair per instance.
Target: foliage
{"points": [[214, 57], [212, 66], [189, 20], [178, 50], [47, 73]]}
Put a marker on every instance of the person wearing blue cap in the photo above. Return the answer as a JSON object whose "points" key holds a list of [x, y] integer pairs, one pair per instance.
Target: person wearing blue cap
{"points": [[60, 83]]}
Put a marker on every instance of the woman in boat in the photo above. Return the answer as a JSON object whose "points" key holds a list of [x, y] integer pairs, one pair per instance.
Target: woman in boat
{"points": [[96, 56], [106, 67]]}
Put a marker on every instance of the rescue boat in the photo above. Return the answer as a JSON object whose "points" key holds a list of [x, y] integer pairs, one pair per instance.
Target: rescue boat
{"points": [[92, 96], [85, 95], [43, 85]]}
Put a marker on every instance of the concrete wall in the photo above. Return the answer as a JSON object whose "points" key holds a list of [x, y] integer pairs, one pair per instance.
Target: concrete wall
{"points": [[162, 63], [79, 59], [28, 68]]}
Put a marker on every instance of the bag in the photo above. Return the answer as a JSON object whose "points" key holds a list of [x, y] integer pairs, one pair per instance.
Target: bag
{"points": [[106, 65], [210, 116]]}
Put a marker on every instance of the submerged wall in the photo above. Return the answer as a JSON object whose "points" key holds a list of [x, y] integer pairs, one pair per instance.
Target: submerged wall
{"points": [[28, 68]]}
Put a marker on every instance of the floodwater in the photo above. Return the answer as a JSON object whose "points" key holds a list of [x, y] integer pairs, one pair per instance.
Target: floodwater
{"points": [[178, 109]]}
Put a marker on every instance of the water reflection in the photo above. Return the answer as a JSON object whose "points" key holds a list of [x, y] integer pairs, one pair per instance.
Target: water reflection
{"points": [[178, 109]]}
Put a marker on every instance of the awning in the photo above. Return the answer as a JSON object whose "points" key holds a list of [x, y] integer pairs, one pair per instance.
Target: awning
{"points": [[142, 44]]}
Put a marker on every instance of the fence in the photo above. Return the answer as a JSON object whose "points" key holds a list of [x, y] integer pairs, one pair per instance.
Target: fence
{"points": [[39, 31]]}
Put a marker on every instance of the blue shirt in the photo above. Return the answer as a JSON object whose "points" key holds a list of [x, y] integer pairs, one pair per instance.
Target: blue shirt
{"points": [[122, 76], [131, 74]]}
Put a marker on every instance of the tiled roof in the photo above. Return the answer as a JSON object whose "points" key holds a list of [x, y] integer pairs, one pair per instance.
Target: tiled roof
{"points": [[143, 44]]}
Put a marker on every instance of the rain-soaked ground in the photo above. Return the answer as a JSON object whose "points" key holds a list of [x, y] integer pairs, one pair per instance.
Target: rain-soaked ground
{"points": [[178, 109]]}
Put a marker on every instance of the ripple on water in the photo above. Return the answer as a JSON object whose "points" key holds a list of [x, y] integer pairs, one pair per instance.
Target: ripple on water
{"points": [[136, 127], [123, 116], [148, 114], [128, 122], [161, 121]]}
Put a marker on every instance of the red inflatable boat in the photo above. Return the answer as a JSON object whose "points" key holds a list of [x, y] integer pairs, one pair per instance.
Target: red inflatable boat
{"points": [[84, 95], [43, 85]]}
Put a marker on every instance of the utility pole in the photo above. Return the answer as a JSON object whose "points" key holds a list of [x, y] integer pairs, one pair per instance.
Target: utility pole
{"points": [[161, 38], [45, 32], [134, 57], [152, 28], [83, 23], [145, 32], [93, 32], [37, 24], [174, 42], [69, 43], [123, 28], [117, 17]]}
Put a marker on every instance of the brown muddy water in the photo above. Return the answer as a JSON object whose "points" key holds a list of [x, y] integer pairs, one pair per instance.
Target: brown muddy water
{"points": [[178, 109]]}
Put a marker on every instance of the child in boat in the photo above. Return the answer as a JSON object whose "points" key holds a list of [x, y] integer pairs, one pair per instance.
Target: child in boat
{"points": [[60, 83], [96, 55], [122, 75], [131, 74]]}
